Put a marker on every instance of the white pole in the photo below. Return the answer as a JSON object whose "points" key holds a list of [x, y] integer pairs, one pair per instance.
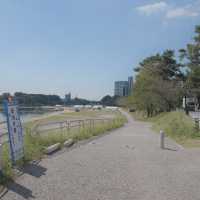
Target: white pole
{"points": [[162, 139], [1, 163]]}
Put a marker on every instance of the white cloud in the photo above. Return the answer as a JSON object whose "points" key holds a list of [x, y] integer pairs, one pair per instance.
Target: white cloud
{"points": [[181, 12], [149, 9], [170, 11]]}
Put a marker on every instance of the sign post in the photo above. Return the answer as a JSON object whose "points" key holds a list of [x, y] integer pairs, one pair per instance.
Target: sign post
{"points": [[1, 159], [15, 131]]}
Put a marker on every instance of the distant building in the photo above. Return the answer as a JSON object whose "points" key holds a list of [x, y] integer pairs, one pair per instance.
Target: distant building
{"points": [[130, 85], [124, 88], [121, 88]]}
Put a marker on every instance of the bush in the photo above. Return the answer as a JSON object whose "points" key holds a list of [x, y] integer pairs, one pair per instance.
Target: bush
{"points": [[176, 124]]}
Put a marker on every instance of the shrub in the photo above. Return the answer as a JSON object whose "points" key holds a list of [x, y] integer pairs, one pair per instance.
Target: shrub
{"points": [[176, 125]]}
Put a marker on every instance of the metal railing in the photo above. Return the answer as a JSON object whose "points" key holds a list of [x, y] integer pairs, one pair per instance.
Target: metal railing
{"points": [[195, 115], [196, 118], [69, 125]]}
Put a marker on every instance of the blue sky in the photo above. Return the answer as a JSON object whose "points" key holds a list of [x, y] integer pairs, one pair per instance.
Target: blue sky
{"points": [[54, 47]]}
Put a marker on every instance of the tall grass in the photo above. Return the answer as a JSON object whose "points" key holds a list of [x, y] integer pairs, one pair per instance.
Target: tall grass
{"points": [[6, 165], [176, 125]]}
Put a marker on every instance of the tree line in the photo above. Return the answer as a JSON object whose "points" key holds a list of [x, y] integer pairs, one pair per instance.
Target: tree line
{"points": [[51, 100], [162, 80], [33, 99], [44, 100]]}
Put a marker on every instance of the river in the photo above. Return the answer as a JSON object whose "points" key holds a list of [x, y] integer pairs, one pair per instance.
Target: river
{"points": [[24, 117]]}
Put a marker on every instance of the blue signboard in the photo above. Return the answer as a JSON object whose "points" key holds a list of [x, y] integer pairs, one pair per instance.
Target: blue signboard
{"points": [[15, 130]]}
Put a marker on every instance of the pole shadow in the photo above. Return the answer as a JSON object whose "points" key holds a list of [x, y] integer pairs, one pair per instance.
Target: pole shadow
{"points": [[20, 190], [34, 169]]}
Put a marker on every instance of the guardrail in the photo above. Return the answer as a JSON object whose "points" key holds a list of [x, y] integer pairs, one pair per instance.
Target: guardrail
{"points": [[42, 128], [196, 118], [68, 126], [197, 123], [195, 114]]}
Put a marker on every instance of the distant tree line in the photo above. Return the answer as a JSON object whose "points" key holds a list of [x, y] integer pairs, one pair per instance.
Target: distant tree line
{"points": [[162, 80], [105, 101], [34, 99], [52, 100], [44, 100], [80, 101]]}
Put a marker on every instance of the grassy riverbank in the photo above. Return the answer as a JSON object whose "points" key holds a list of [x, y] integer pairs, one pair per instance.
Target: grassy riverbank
{"points": [[36, 144], [176, 125]]}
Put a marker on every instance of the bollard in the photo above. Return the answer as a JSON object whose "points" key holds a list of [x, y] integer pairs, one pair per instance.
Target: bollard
{"points": [[196, 124], [162, 139], [1, 162]]}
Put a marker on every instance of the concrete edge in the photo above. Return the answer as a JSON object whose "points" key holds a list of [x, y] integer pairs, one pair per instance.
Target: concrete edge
{"points": [[52, 148]]}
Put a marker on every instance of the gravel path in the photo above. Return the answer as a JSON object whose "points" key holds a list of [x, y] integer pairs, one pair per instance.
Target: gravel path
{"points": [[124, 165]]}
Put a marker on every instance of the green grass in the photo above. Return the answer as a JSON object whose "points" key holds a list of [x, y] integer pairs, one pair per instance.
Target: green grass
{"points": [[99, 129], [35, 145], [55, 136], [176, 125], [6, 165]]}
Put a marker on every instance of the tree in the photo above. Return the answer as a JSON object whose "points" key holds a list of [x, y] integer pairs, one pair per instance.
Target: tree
{"points": [[191, 58], [158, 83], [37, 99], [164, 65], [109, 101]]}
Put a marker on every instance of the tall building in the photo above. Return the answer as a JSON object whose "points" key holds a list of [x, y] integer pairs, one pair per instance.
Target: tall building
{"points": [[121, 88], [124, 88], [130, 85]]}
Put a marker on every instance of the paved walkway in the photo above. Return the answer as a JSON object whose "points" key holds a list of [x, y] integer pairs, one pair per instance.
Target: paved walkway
{"points": [[124, 165]]}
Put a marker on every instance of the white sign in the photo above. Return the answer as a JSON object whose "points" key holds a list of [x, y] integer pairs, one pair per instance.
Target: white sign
{"points": [[15, 131]]}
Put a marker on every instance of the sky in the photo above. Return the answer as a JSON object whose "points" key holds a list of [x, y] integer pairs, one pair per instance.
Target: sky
{"points": [[82, 47]]}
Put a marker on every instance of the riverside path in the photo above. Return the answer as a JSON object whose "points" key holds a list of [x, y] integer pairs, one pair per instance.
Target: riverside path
{"points": [[126, 164]]}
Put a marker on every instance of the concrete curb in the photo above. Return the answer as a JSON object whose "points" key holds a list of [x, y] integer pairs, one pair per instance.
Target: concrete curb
{"points": [[68, 143], [52, 148]]}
